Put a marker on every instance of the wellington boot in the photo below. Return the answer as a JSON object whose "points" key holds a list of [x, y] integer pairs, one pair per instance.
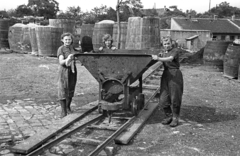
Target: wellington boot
{"points": [[167, 121], [63, 108], [174, 122], [69, 111]]}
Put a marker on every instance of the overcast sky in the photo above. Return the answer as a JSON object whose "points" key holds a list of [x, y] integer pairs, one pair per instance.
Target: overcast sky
{"points": [[86, 5]]}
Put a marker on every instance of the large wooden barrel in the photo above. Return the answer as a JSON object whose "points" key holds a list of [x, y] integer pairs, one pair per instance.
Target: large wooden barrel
{"points": [[68, 25], [100, 29], [4, 26], [214, 52], [33, 40], [123, 36], [231, 61], [143, 33], [18, 38], [87, 30], [48, 40]]}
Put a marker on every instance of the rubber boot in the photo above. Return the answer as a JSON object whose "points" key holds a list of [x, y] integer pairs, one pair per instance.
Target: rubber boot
{"points": [[167, 120], [63, 107], [69, 100], [175, 120], [168, 113]]}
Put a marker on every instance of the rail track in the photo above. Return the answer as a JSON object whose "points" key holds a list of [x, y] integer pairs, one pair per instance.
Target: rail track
{"points": [[91, 133]]}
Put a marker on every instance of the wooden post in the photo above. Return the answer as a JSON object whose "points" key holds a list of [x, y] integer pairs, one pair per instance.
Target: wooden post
{"points": [[119, 26]]}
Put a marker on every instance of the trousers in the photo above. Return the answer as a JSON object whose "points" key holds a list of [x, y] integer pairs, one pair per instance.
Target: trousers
{"points": [[171, 91]]}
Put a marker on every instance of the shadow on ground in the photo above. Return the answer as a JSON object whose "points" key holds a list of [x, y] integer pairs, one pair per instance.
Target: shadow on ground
{"points": [[199, 114]]}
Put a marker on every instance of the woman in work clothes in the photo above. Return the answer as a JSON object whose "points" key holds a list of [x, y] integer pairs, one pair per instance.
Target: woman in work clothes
{"points": [[171, 83]]}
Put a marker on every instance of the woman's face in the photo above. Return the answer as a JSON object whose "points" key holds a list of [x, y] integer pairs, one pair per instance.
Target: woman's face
{"points": [[67, 40], [108, 43], [167, 45]]}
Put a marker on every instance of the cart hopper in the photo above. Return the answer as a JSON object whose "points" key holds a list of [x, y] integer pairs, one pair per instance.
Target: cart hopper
{"points": [[120, 66]]}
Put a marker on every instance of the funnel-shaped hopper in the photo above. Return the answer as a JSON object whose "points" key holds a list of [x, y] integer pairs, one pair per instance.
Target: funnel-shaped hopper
{"points": [[116, 65]]}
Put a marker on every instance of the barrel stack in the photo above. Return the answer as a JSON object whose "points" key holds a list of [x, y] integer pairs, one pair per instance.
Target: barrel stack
{"points": [[100, 29], [214, 53], [48, 40], [231, 62], [18, 38], [143, 33], [4, 26], [123, 35]]}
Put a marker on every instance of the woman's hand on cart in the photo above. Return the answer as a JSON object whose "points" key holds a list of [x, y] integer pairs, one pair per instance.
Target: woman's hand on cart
{"points": [[154, 57]]}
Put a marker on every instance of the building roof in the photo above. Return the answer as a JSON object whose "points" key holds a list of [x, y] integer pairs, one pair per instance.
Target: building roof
{"points": [[237, 22], [214, 25]]}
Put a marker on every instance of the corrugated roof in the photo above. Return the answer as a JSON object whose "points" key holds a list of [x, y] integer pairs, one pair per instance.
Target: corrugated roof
{"points": [[214, 25]]}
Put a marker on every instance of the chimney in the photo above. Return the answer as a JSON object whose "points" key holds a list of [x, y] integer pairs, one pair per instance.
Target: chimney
{"points": [[233, 17], [164, 7]]}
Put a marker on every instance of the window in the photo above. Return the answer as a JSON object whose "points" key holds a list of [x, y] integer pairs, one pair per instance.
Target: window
{"points": [[214, 37], [232, 38]]}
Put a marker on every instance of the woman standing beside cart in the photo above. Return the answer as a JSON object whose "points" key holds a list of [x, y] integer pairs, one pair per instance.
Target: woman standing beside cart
{"points": [[171, 83], [67, 73]]}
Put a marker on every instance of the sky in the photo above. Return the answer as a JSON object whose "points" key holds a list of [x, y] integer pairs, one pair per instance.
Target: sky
{"points": [[87, 5]]}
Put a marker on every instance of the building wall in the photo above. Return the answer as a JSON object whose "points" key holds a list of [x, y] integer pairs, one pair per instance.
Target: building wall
{"points": [[225, 37], [181, 35]]}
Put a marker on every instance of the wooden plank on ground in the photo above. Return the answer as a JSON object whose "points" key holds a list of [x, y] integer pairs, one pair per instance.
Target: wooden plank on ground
{"points": [[42, 136], [151, 87], [148, 72], [142, 117]]}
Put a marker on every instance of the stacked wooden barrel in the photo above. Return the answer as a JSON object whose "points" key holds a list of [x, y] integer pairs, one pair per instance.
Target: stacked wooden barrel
{"points": [[232, 61], [33, 39], [18, 38], [100, 29], [123, 36], [68, 25], [214, 53], [4, 26], [143, 33], [48, 40], [87, 30]]}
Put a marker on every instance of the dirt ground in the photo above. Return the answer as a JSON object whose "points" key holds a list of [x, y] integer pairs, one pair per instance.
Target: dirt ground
{"points": [[209, 124]]}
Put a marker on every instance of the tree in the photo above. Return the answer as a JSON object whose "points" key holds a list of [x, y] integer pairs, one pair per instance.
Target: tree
{"points": [[46, 8], [223, 10], [100, 12], [71, 13], [23, 10], [3, 14]]}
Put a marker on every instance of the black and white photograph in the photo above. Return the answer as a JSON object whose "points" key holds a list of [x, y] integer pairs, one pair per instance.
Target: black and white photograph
{"points": [[119, 78]]}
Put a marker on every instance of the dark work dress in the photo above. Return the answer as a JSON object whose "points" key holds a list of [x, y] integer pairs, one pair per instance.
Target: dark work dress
{"points": [[171, 84], [66, 78]]}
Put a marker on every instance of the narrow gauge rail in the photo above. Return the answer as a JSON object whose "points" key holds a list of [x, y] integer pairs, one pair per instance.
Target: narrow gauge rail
{"points": [[94, 129]]}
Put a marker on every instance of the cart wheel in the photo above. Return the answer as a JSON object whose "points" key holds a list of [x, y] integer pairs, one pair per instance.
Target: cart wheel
{"points": [[141, 98], [134, 107]]}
